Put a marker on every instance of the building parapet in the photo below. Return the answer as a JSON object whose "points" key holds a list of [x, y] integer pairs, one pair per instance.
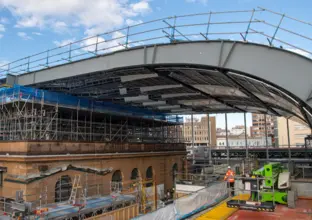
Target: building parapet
{"points": [[64, 148]]}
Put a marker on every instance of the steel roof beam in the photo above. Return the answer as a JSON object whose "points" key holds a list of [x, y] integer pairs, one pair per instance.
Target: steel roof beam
{"points": [[159, 87], [195, 89], [176, 95], [128, 78], [140, 98], [248, 93], [154, 103], [304, 113]]}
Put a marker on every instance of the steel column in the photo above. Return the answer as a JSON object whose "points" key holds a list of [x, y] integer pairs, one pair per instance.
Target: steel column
{"points": [[176, 131], [141, 128], [162, 132], [77, 123], [183, 130], [227, 140], [110, 128], [288, 139], [208, 139], [90, 129], [192, 130], [246, 142], [266, 137]]}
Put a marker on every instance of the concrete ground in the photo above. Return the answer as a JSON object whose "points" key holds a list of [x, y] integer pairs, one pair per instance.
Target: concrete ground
{"points": [[303, 211]]}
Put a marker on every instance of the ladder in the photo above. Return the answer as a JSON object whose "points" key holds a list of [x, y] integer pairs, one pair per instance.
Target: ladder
{"points": [[75, 187]]}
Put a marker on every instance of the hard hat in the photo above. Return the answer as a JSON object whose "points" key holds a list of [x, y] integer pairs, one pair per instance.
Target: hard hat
{"points": [[229, 167]]}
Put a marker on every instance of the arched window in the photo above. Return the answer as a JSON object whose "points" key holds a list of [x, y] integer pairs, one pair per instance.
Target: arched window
{"points": [[63, 189], [135, 174], [149, 176], [116, 183]]}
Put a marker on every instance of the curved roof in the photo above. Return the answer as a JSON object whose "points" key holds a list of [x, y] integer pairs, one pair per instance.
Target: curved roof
{"points": [[182, 88], [140, 68]]}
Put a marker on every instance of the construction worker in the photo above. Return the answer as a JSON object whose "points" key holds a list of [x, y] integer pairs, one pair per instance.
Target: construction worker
{"points": [[229, 177]]}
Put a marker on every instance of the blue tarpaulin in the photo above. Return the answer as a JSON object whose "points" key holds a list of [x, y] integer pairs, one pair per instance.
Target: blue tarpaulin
{"points": [[18, 92]]}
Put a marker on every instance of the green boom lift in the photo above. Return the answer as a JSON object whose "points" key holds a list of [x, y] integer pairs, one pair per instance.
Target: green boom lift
{"points": [[267, 185]]}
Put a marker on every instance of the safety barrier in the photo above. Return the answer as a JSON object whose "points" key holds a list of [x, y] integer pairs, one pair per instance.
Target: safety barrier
{"points": [[257, 25], [190, 204]]}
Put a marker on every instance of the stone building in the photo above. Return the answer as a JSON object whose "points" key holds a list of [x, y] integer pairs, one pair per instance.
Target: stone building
{"points": [[200, 131]]}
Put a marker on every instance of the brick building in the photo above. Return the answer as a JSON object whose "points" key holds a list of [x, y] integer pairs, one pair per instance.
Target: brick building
{"points": [[258, 125], [200, 131]]}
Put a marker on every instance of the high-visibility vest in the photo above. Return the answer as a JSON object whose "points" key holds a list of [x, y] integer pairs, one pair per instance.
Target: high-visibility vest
{"points": [[229, 176]]}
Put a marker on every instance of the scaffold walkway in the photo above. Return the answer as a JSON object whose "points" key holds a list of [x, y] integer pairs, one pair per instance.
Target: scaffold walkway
{"points": [[34, 114], [22, 93]]}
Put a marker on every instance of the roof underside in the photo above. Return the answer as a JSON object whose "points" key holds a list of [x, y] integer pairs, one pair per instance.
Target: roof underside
{"points": [[180, 89]]}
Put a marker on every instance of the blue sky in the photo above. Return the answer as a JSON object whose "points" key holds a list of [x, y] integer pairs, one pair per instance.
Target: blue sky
{"points": [[31, 26]]}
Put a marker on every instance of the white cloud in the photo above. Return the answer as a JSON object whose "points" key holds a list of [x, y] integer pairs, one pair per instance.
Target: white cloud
{"points": [[197, 1], [140, 7], [116, 42], [23, 35], [36, 33], [131, 22], [2, 28], [59, 27], [28, 22], [96, 17], [1, 36], [64, 42]]}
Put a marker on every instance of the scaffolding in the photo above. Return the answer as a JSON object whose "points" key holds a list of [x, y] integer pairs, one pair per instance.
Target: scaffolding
{"points": [[94, 197], [34, 114]]}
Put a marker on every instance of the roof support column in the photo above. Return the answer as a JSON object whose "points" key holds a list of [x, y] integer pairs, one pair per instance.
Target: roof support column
{"points": [[288, 139], [227, 140], [141, 129], [176, 134], [110, 128], [183, 130], [246, 141], [266, 138], [162, 132], [208, 139], [192, 130], [153, 130]]}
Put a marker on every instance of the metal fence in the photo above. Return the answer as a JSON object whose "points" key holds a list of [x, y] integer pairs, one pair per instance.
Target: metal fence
{"points": [[257, 25]]}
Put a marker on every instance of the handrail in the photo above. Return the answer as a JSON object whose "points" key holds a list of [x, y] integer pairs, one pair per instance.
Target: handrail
{"points": [[169, 30], [250, 147]]}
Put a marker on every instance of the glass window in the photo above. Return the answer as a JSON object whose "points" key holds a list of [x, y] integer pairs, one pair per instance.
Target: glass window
{"points": [[300, 135], [300, 127]]}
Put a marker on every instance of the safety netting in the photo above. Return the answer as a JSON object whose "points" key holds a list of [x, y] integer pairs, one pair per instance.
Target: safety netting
{"points": [[23, 93], [190, 204]]}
